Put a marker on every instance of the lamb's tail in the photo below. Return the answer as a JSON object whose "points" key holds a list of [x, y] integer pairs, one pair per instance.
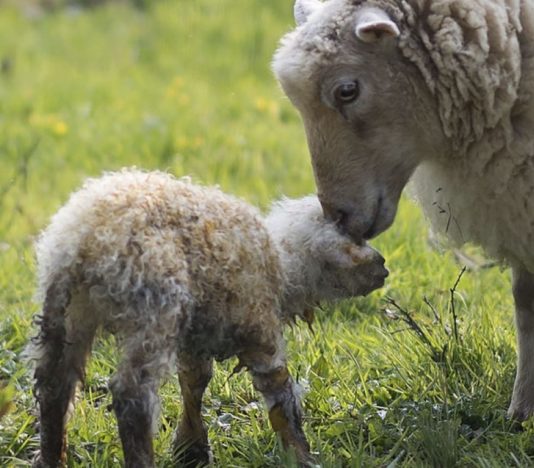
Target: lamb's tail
{"points": [[51, 336], [56, 372]]}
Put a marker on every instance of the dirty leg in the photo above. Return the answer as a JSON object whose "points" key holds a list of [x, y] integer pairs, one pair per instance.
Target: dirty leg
{"points": [[281, 394], [522, 405], [191, 445], [62, 348], [135, 399]]}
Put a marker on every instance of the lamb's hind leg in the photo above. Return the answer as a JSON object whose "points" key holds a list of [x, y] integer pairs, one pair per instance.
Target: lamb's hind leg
{"points": [[271, 377], [191, 446], [62, 347], [522, 405], [134, 387]]}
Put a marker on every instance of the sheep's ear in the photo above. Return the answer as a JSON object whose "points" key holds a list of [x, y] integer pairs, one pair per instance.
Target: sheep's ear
{"points": [[373, 24], [304, 8]]}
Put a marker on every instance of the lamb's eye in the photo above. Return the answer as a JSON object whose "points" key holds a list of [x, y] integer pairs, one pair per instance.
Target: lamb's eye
{"points": [[347, 92]]}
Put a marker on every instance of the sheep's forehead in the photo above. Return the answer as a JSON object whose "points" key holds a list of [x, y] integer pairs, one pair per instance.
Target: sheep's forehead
{"points": [[321, 40], [304, 53]]}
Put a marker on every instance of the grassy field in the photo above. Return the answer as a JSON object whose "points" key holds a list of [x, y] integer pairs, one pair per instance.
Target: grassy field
{"points": [[185, 86]]}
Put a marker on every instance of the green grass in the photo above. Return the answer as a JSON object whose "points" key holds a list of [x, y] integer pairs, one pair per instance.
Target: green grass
{"points": [[185, 85]]}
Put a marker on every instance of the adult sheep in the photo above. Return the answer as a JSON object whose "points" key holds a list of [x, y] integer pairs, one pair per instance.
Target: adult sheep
{"points": [[444, 86]]}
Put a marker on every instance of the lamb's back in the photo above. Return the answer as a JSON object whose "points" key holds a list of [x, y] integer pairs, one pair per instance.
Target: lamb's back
{"points": [[132, 234]]}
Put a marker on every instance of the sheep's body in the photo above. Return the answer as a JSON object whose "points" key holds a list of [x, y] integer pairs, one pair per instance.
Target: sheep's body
{"points": [[443, 86], [176, 271], [484, 98]]}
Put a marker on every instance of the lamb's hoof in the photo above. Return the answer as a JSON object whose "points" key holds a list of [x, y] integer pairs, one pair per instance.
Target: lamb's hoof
{"points": [[191, 455], [309, 463], [38, 462], [307, 460]]}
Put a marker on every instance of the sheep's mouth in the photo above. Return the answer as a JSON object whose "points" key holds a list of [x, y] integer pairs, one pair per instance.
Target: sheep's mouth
{"points": [[372, 231]]}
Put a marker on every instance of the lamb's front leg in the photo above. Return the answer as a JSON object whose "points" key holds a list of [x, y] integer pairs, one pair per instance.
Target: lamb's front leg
{"points": [[271, 377], [522, 405], [191, 446]]}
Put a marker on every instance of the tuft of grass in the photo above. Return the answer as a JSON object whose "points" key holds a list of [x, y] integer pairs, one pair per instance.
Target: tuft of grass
{"points": [[185, 86]]}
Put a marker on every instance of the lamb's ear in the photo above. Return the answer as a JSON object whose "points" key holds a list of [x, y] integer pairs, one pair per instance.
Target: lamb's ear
{"points": [[372, 24], [304, 8], [350, 255]]}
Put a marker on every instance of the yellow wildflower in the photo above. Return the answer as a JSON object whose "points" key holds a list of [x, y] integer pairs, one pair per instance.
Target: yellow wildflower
{"points": [[60, 128], [267, 106]]}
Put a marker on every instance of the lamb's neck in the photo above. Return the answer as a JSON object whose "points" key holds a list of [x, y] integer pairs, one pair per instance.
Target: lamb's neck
{"points": [[298, 297]]}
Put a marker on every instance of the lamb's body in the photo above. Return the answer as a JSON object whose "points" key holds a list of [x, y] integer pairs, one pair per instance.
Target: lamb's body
{"points": [[149, 241], [176, 270], [445, 86]]}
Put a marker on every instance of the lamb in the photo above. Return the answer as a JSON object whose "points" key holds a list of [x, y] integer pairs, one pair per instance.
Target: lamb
{"points": [[388, 86], [182, 274]]}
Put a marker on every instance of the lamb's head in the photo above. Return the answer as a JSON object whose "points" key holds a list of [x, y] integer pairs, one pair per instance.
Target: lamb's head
{"points": [[368, 116], [319, 262], [346, 269]]}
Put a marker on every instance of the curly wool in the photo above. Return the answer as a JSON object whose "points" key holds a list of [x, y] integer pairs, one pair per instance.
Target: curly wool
{"points": [[469, 55], [153, 243], [474, 57]]}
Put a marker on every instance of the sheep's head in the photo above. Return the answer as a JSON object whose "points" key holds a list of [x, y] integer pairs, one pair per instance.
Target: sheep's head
{"points": [[320, 263], [369, 118]]}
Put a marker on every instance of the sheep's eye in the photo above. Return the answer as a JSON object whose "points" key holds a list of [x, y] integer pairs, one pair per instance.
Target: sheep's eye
{"points": [[347, 92]]}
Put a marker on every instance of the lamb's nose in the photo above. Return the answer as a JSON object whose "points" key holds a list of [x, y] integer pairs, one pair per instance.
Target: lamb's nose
{"points": [[381, 262]]}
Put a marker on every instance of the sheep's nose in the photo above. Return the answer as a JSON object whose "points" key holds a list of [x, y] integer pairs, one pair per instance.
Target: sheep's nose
{"points": [[381, 260], [347, 223], [330, 211], [381, 263]]}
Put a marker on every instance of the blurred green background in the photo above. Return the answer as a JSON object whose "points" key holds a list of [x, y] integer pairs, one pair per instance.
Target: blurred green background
{"points": [[185, 86]]}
